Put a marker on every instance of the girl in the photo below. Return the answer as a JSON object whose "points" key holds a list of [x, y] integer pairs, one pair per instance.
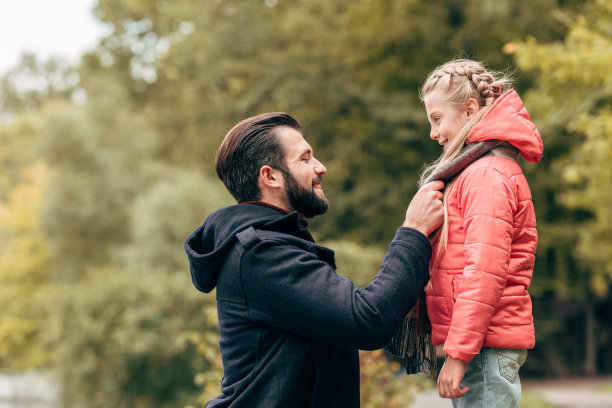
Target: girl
{"points": [[484, 253]]}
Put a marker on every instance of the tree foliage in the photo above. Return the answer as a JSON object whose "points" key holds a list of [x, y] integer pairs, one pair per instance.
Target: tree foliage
{"points": [[26, 265], [125, 347], [348, 70], [30, 83], [572, 99], [108, 166]]}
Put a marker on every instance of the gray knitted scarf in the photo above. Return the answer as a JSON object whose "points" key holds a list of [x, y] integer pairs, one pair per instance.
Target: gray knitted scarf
{"points": [[412, 345], [468, 155]]}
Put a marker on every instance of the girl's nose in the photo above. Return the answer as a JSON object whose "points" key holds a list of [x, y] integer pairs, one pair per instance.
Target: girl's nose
{"points": [[434, 134]]}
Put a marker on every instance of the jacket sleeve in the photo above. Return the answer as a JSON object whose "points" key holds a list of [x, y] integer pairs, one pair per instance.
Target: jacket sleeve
{"points": [[487, 200], [292, 289]]}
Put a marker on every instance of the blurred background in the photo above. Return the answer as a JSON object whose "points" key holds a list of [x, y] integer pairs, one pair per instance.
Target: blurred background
{"points": [[106, 165]]}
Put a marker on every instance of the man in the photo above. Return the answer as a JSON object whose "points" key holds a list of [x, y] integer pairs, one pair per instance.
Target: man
{"points": [[290, 327]]}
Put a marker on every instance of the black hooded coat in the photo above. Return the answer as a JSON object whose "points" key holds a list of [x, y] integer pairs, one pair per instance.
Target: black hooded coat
{"points": [[290, 326]]}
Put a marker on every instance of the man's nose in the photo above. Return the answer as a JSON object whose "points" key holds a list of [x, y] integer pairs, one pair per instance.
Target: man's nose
{"points": [[319, 168]]}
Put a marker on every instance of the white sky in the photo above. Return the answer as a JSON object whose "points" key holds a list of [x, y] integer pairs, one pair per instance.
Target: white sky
{"points": [[47, 28]]}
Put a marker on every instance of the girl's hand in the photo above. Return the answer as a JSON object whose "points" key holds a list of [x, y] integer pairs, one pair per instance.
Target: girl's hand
{"points": [[450, 377]]}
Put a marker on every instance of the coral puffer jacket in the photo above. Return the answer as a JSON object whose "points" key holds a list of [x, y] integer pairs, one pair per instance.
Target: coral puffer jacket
{"points": [[478, 293]]}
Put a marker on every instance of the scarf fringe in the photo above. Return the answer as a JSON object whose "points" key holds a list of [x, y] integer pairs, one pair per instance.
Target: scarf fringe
{"points": [[412, 344]]}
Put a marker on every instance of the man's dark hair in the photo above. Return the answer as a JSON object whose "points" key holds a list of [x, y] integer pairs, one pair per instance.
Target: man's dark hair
{"points": [[247, 147]]}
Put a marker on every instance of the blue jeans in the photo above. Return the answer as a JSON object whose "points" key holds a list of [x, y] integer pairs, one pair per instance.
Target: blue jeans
{"points": [[493, 379]]}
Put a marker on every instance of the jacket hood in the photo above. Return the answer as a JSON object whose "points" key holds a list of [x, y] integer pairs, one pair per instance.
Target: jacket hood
{"points": [[508, 120], [208, 245]]}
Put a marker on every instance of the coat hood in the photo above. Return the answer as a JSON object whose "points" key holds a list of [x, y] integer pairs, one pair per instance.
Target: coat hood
{"points": [[508, 120], [208, 245]]}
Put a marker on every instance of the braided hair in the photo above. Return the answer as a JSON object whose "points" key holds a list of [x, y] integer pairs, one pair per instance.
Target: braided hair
{"points": [[459, 80], [465, 79]]}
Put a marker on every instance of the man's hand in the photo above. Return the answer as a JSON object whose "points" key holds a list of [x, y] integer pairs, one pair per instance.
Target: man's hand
{"points": [[426, 212], [450, 377]]}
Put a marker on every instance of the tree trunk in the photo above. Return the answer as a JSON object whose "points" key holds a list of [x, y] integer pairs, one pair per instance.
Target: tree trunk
{"points": [[590, 342]]}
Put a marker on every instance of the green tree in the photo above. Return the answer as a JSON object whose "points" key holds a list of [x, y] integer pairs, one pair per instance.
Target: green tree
{"points": [[117, 339], [100, 156], [99, 299], [18, 140], [129, 137], [383, 385], [32, 82], [26, 268], [348, 70], [119, 218], [572, 100], [162, 217]]}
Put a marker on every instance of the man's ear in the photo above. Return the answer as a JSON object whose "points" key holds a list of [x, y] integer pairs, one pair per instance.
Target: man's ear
{"points": [[472, 107], [270, 177]]}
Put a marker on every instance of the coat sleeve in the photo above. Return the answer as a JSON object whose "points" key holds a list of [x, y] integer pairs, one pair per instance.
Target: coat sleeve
{"points": [[487, 202], [292, 289]]}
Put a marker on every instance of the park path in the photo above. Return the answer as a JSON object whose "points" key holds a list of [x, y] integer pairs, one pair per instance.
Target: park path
{"points": [[561, 393], [33, 390], [27, 389], [580, 392]]}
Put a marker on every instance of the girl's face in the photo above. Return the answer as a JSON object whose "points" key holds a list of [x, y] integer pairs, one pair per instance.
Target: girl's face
{"points": [[445, 118]]}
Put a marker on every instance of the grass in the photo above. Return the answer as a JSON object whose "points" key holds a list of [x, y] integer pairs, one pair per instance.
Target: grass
{"points": [[530, 399], [604, 388]]}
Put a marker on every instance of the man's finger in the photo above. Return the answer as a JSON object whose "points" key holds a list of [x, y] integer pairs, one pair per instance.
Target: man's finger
{"points": [[436, 185]]}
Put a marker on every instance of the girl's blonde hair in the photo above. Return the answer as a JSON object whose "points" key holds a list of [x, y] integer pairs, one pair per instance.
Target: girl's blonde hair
{"points": [[459, 80]]}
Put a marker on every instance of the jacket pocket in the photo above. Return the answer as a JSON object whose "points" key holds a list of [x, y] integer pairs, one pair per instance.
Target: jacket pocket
{"points": [[437, 310], [457, 280], [510, 360]]}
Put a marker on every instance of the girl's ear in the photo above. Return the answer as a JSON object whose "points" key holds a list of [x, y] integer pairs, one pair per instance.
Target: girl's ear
{"points": [[472, 107]]}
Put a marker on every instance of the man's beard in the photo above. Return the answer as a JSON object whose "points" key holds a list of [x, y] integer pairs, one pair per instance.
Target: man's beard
{"points": [[304, 201]]}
